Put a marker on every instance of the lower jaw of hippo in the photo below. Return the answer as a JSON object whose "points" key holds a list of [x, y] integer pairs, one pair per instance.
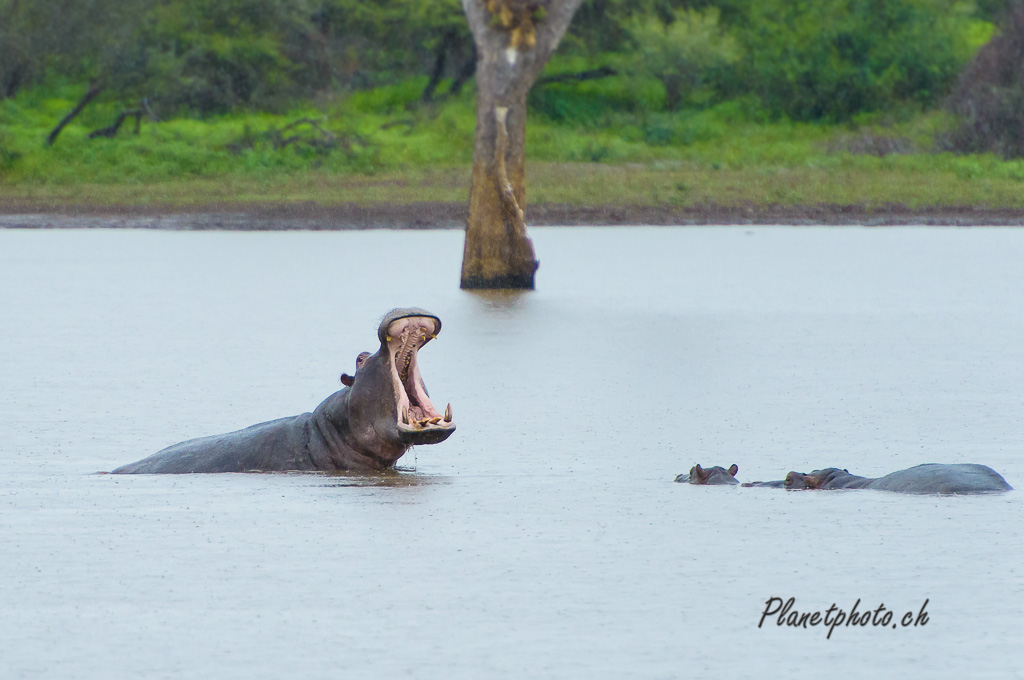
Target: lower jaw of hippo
{"points": [[418, 421]]}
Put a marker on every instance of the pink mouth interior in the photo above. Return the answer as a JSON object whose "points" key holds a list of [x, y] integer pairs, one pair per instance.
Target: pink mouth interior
{"points": [[405, 338]]}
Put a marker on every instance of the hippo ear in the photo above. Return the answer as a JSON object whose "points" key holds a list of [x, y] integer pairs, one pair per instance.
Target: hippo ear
{"points": [[733, 469], [698, 472], [347, 380]]}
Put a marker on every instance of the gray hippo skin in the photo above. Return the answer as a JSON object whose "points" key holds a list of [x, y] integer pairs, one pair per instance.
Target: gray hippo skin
{"points": [[930, 478], [775, 484], [382, 411], [711, 475]]}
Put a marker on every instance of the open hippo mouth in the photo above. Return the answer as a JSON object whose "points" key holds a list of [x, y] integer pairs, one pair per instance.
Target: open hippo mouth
{"points": [[418, 421]]}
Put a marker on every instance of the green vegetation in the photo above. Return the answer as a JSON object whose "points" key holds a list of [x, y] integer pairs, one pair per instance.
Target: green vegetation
{"points": [[722, 154], [648, 103], [833, 60]]}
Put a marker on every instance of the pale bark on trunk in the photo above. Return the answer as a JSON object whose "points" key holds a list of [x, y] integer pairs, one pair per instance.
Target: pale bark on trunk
{"points": [[514, 39]]}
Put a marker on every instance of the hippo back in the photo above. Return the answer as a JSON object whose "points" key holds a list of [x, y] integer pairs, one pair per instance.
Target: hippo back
{"points": [[937, 478], [253, 448]]}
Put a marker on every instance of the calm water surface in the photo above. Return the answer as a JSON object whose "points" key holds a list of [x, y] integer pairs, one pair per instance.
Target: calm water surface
{"points": [[546, 538]]}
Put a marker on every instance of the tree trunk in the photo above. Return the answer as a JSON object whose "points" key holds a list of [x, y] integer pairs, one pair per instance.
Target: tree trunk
{"points": [[95, 87], [466, 72], [440, 57], [673, 91], [514, 39], [592, 74], [111, 130]]}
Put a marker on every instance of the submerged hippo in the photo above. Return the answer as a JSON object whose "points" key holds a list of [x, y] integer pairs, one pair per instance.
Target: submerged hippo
{"points": [[382, 411], [930, 478], [711, 475], [775, 484]]}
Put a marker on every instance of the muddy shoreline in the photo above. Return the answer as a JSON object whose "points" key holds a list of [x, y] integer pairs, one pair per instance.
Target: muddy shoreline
{"points": [[439, 215]]}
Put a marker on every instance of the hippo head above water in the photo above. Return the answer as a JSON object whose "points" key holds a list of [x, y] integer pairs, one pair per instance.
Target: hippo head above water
{"points": [[796, 481], [408, 417], [371, 423], [710, 476]]}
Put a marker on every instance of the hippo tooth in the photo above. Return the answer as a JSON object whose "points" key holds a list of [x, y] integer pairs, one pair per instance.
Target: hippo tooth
{"points": [[405, 415], [448, 414], [435, 421]]}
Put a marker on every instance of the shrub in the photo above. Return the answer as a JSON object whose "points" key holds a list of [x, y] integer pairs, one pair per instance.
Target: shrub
{"points": [[833, 59], [8, 156], [683, 51], [989, 98], [591, 102]]}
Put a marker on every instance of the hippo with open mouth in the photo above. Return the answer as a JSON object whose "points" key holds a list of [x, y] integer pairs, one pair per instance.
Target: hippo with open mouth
{"points": [[710, 476], [930, 478], [382, 411]]}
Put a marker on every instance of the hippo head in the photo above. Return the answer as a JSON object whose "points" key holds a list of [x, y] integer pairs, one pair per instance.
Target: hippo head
{"points": [[796, 481], [388, 406], [713, 475]]}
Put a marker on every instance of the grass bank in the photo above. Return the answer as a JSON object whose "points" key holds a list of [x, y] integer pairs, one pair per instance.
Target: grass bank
{"points": [[383, 147], [580, 184]]}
